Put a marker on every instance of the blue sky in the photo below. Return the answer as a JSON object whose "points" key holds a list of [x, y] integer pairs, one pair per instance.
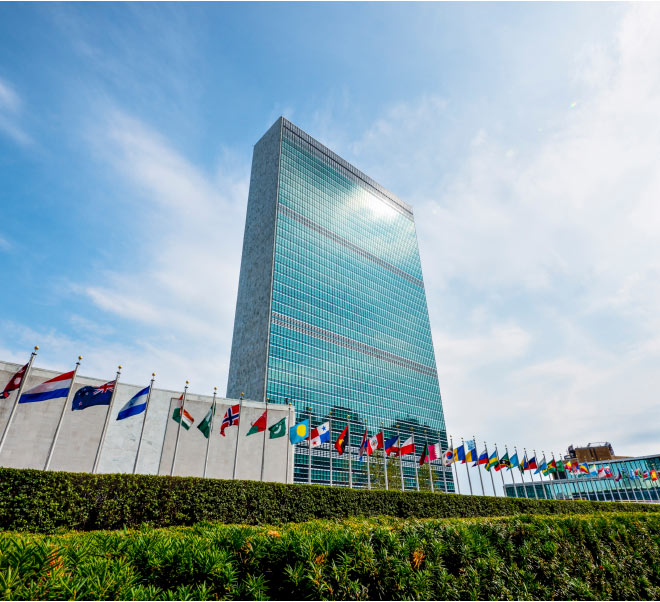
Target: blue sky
{"points": [[526, 137]]}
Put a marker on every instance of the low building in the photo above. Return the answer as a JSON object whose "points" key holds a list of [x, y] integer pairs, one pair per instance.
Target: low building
{"points": [[627, 483]]}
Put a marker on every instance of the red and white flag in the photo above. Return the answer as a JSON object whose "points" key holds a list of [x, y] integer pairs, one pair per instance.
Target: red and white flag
{"points": [[375, 442], [407, 448], [14, 382]]}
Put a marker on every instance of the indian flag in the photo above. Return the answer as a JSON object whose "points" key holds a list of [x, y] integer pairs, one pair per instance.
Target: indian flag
{"points": [[182, 415]]}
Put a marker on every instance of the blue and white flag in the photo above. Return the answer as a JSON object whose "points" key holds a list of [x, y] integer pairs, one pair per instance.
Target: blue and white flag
{"points": [[135, 405]]}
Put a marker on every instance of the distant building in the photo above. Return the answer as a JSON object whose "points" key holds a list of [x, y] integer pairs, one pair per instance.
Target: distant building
{"points": [[592, 452], [331, 312], [623, 486]]}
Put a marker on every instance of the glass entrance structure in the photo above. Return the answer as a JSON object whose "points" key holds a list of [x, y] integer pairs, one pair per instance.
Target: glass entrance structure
{"points": [[331, 313]]}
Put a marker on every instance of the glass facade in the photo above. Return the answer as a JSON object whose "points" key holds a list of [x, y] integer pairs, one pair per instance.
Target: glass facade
{"points": [[349, 333], [623, 486]]}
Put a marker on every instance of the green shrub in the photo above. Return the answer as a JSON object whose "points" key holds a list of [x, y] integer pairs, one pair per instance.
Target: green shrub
{"points": [[600, 557], [41, 501]]}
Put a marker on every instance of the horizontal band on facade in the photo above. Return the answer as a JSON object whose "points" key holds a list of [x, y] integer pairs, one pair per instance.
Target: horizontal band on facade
{"points": [[315, 147], [342, 341], [305, 221]]}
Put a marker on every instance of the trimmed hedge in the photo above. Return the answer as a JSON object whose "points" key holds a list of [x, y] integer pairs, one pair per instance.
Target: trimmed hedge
{"points": [[598, 557], [39, 501]]}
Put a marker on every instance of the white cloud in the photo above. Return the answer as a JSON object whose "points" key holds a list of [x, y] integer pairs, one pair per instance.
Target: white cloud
{"points": [[10, 110], [556, 235]]}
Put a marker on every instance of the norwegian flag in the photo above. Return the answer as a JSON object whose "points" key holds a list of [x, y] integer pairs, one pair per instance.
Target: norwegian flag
{"points": [[14, 383], [231, 418]]}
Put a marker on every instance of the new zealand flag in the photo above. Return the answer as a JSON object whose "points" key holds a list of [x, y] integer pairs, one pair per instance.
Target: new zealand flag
{"points": [[93, 396]]}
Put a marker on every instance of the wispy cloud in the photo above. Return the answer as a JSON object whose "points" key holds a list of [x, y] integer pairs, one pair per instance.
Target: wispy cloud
{"points": [[10, 114], [555, 233]]}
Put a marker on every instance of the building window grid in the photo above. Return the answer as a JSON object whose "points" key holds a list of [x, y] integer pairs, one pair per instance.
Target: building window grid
{"points": [[292, 239]]}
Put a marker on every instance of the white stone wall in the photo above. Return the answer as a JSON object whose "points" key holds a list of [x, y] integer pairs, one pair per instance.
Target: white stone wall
{"points": [[34, 425]]}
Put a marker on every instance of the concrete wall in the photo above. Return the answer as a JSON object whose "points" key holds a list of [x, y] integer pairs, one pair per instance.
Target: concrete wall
{"points": [[249, 350], [34, 424]]}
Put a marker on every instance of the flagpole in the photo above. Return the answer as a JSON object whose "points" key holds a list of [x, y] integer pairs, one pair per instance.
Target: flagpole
{"points": [[350, 460], [483, 491], [531, 475], [97, 458], [309, 447], [263, 448], [288, 442], [429, 463], [467, 468], [453, 463], [368, 457], [398, 435], [513, 480], [59, 423], [522, 472], [490, 470], [331, 442], [18, 396], [382, 432], [238, 432], [499, 466], [442, 462], [178, 430], [412, 430], [144, 421], [208, 440]]}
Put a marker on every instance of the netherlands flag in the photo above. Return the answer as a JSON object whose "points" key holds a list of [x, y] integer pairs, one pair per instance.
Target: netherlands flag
{"points": [[51, 389]]}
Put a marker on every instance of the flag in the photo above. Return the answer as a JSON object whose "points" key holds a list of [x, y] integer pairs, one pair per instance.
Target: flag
{"points": [[583, 468], [408, 447], [531, 463], [561, 467], [182, 416], [430, 453], [375, 442], [504, 462], [340, 444], [459, 453], [575, 467], [232, 416], [363, 445], [601, 472], [299, 432], [278, 429], [513, 461], [552, 467], [259, 425], [448, 458], [86, 397], [14, 382], [425, 451], [593, 471], [492, 461], [205, 424], [483, 458], [471, 455], [618, 477], [543, 467], [50, 389], [135, 405], [654, 475], [646, 475], [320, 434], [392, 445]]}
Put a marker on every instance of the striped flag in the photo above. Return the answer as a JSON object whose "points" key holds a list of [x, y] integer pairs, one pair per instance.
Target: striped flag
{"points": [[51, 389], [182, 415]]}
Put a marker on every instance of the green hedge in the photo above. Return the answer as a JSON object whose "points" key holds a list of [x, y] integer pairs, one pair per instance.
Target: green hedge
{"points": [[598, 557], [43, 501]]}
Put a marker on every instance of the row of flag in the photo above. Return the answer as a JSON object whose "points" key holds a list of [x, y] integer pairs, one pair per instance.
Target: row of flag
{"points": [[88, 396]]}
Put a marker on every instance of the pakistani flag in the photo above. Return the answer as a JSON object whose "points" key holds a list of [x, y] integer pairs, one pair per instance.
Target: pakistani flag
{"points": [[182, 415], [278, 429], [205, 425]]}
